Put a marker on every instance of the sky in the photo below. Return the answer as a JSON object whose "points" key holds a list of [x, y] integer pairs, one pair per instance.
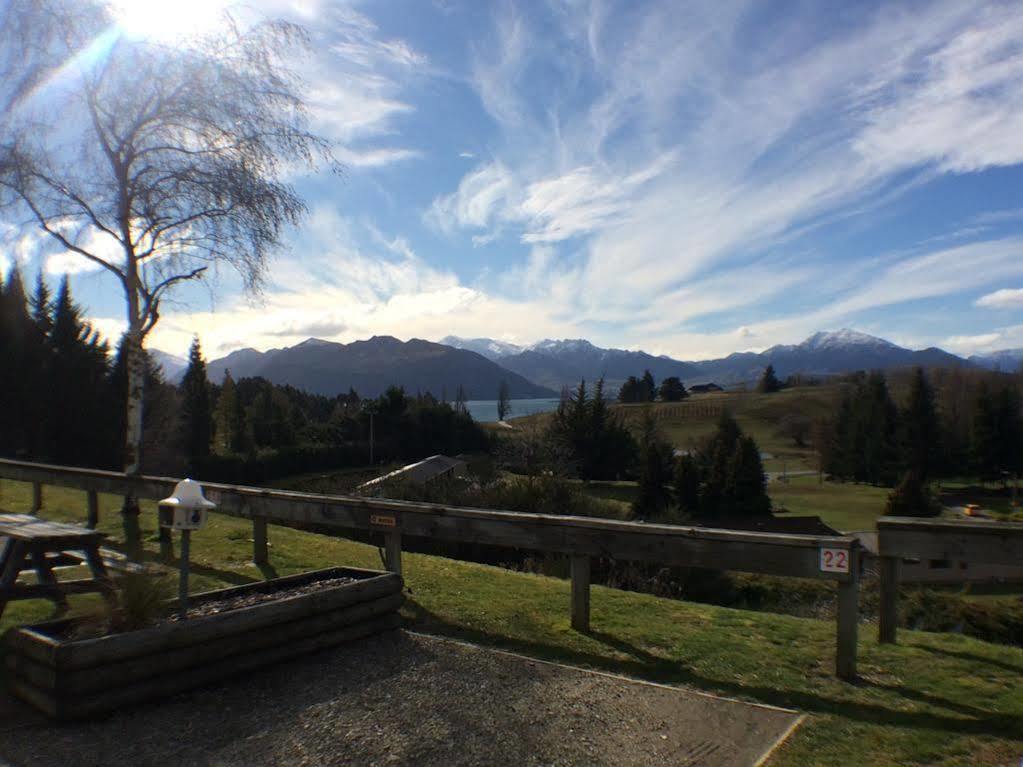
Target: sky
{"points": [[685, 178]]}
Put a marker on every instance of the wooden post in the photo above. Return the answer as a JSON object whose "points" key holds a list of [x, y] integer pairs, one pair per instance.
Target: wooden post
{"points": [[580, 571], [888, 615], [848, 619], [392, 551], [166, 543], [93, 514], [37, 497], [260, 554]]}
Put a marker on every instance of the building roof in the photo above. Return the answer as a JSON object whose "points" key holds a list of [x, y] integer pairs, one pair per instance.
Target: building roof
{"points": [[420, 472]]}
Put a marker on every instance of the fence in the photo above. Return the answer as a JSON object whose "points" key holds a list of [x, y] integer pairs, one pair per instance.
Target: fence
{"points": [[835, 558], [898, 538]]}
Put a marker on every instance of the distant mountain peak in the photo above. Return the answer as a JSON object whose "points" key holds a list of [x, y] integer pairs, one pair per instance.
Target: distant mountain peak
{"points": [[830, 339], [562, 345], [491, 348]]}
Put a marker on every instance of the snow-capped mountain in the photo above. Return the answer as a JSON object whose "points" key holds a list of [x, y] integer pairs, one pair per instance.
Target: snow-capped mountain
{"points": [[172, 366], [488, 347], [1005, 360], [557, 363]]}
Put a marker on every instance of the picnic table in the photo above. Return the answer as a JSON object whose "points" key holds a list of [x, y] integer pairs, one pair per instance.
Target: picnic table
{"points": [[29, 543]]}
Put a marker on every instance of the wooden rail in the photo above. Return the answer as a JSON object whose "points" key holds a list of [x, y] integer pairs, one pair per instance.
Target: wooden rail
{"points": [[835, 558], [898, 538]]}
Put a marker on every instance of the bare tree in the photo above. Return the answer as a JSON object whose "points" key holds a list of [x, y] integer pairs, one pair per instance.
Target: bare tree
{"points": [[503, 401], [152, 162]]}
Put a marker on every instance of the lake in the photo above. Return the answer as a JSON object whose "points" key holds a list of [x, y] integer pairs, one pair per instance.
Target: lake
{"points": [[485, 410]]}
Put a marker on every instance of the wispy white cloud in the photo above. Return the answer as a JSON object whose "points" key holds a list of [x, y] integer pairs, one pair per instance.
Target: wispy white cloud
{"points": [[1006, 298]]}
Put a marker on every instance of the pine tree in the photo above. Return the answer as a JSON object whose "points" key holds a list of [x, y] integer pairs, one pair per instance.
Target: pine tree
{"points": [[630, 390], [503, 401], [77, 372], [649, 387], [196, 411], [672, 390], [654, 470], [769, 382], [912, 498], [687, 484], [230, 416], [920, 428], [745, 490], [42, 306]]}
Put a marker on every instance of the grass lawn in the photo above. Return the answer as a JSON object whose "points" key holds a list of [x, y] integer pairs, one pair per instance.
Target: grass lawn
{"points": [[846, 506], [934, 699]]}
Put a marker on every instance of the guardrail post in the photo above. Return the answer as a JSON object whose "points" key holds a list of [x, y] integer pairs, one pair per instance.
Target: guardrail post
{"points": [[580, 571], [92, 520], [848, 618], [37, 497], [392, 551], [888, 615], [260, 553]]}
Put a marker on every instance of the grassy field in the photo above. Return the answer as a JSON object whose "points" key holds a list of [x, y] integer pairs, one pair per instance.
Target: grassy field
{"points": [[845, 506], [934, 699]]}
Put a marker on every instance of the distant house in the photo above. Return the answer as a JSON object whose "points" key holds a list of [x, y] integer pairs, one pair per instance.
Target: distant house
{"points": [[704, 388], [432, 469]]}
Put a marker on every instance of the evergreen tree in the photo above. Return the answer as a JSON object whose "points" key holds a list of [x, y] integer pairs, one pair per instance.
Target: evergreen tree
{"points": [[42, 306], [77, 374], [630, 390], [997, 440], [230, 418], [654, 470], [745, 491], [196, 410], [503, 401], [672, 390], [460, 407], [715, 459], [687, 484], [920, 428], [648, 388], [769, 382], [912, 498]]}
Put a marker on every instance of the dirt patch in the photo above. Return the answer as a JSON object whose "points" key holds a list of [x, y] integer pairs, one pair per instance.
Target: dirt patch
{"points": [[405, 699]]}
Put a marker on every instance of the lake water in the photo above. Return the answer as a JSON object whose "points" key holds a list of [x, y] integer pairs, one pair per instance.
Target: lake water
{"points": [[485, 410]]}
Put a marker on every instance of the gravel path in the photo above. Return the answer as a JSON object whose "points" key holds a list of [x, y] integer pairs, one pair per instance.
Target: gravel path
{"points": [[406, 699]]}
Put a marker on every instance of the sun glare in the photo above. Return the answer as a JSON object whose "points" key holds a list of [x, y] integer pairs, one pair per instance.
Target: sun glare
{"points": [[167, 21]]}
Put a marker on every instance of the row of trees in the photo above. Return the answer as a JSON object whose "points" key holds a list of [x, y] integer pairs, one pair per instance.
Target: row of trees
{"points": [[64, 394], [645, 389]]}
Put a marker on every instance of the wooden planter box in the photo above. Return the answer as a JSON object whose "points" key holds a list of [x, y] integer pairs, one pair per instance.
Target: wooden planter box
{"points": [[73, 678]]}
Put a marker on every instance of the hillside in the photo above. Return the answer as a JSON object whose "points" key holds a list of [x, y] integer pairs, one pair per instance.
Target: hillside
{"points": [[369, 367]]}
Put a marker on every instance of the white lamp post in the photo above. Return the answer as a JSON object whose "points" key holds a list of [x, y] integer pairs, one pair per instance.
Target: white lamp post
{"points": [[184, 510]]}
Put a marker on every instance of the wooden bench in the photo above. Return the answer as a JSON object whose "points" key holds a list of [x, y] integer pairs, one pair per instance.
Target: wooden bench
{"points": [[29, 543]]}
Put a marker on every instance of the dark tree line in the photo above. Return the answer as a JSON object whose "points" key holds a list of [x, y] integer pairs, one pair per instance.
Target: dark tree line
{"points": [[645, 389], [970, 425], [63, 394]]}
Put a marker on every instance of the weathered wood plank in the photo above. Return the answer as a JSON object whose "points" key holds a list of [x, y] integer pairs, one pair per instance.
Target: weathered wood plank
{"points": [[92, 514], [392, 551], [260, 543], [990, 542], [94, 652], [163, 686], [37, 497], [580, 572], [848, 621], [123, 672], [888, 612]]}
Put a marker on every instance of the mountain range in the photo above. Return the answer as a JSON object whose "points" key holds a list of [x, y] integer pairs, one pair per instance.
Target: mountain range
{"points": [[369, 367], [542, 369]]}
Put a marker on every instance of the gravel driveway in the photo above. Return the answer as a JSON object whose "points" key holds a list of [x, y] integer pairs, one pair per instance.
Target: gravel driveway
{"points": [[407, 699]]}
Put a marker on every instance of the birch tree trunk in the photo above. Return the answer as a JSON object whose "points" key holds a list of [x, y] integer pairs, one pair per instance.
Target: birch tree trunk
{"points": [[136, 370]]}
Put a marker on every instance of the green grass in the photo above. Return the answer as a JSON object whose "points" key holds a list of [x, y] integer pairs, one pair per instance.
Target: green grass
{"points": [[933, 699], [846, 506]]}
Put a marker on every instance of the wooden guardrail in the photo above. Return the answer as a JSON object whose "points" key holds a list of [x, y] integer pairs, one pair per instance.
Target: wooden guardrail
{"points": [[835, 558], [899, 538]]}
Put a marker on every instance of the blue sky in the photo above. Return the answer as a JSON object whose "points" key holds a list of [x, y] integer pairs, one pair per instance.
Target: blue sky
{"points": [[687, 178]]}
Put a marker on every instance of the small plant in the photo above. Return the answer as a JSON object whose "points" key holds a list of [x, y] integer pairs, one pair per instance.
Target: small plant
{"points": [[142, 600]]}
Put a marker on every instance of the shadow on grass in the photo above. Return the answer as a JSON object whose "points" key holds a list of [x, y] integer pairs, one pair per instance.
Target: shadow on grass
{"points": [[642, 664], [971, 657]]}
